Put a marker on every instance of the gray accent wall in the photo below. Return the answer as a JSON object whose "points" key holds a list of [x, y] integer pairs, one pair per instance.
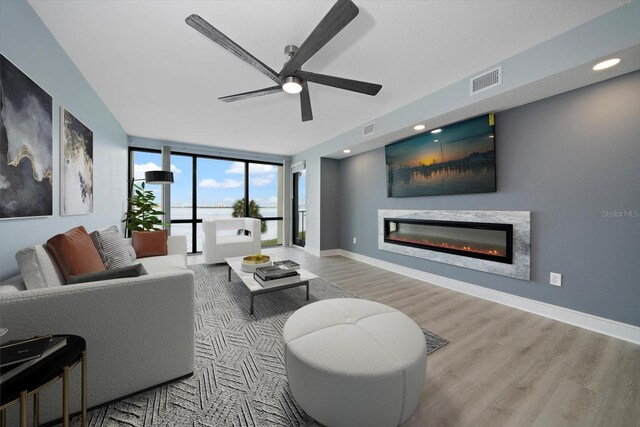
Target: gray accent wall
{"points": [[329, 203], [573, 160], [26, 42], [557, 65]]}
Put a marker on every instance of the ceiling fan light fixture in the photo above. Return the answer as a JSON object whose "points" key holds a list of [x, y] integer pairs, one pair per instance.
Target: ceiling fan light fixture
{"points": [[291, 78], [292, 85]]}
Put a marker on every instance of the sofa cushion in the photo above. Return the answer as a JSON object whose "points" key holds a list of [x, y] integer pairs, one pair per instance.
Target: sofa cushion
{"points": [[229, 224], [38, 268], [112, 247], [233, 239], [163, 264], [14, 284], [12, 287], [150, 243], [134, 270], [75, 253]]}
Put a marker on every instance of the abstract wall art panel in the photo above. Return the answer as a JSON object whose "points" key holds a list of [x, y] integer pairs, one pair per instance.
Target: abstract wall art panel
{"points": [[76, 152], [26, 143], [455, 159]]}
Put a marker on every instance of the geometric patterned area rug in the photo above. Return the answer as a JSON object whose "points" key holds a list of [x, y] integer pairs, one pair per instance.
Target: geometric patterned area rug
{"points": [[239, 376]]}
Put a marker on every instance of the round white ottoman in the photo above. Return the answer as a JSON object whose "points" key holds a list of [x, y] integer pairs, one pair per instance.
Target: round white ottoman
{"points": [[353, 362]]}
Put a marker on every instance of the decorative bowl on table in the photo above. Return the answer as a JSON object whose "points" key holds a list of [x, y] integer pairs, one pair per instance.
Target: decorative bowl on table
{"points": [[251, 262]]}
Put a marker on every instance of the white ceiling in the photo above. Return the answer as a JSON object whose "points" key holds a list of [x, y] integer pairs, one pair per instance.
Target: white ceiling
{"points": [[161, 79]]}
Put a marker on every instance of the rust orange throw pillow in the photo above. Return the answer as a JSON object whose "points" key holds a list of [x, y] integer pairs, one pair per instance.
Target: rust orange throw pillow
{"points": [[149, 243], [75, 253]]}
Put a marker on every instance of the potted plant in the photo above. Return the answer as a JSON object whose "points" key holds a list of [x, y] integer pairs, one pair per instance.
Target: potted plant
{"points": [[143, 213]]}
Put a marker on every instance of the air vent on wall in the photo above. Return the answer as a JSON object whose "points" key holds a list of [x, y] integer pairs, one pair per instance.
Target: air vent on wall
{"points": [[369, 129], [486, 80]]}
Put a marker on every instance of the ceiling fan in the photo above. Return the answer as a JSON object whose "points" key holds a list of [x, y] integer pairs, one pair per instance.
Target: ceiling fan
{"points": [[291, 78]]}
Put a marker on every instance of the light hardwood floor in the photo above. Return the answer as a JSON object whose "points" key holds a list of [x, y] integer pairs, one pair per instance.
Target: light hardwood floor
{"points": [[503, 366]]}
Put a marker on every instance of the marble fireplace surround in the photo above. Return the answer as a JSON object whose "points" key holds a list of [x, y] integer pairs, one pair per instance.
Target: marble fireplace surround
{"points": [[521, 221]]}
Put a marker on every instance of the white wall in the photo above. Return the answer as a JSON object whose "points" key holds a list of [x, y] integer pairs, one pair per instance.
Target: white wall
{"points": [[26, 42]]}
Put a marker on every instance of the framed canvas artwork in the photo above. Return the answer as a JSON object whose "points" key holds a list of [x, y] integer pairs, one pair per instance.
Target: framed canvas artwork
{"points": [[26, 144], [76, 154], [455, 159]]}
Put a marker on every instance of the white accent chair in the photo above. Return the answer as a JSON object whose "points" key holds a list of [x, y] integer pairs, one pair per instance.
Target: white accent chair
{"points": [[222, 241]]}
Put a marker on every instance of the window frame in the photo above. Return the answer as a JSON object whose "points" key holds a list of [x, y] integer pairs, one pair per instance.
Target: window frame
{"points": [[194, 221]]}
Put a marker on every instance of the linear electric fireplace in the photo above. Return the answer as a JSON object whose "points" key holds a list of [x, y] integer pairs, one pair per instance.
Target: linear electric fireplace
{"points": [[488, 241]]}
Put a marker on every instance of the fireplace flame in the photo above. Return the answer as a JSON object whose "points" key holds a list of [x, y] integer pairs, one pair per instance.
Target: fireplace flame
{"points": [[466, 248]]}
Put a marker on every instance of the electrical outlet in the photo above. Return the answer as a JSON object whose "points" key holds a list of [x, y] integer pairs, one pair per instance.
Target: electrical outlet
{"points": [[354, 241], [555, 279]]}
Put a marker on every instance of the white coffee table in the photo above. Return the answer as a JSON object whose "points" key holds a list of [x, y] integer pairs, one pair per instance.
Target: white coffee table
{"points": [[255, 288]]}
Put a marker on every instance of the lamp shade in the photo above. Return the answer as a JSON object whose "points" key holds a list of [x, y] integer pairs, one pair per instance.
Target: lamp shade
{"points": [[158, 177]]}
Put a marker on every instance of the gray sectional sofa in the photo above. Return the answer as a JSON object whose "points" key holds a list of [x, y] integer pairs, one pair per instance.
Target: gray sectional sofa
{"points": [[139, 331]]}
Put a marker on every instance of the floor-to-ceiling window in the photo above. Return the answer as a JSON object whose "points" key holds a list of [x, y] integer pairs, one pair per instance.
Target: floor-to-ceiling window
{"points": [[299, 222], [220, 189], [141, 161], [265, 188], [213, 187], [182, 198]]}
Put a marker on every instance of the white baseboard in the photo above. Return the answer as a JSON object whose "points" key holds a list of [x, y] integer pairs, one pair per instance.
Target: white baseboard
{"points": [[331, 252], [320, 253], [312, 251], [609, 327]]}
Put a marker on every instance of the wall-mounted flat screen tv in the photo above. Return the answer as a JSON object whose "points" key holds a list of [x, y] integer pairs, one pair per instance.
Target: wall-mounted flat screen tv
{"points": [[455, 159]]}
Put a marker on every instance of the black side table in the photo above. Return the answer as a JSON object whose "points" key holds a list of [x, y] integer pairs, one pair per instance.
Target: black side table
{"points": [[46, 371]]}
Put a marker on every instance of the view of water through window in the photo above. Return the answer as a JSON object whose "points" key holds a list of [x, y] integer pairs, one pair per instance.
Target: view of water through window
{"points": [[219, 189]]}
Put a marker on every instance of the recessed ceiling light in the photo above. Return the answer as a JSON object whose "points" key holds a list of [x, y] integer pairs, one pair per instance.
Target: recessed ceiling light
{"points": [[292, 85], [436, 131], [606, 64], [346, 151], [419, 127]]}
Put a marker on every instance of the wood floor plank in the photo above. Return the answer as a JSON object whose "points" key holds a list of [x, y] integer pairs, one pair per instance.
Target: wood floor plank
{"points": [[503, 366], [567, 406]]}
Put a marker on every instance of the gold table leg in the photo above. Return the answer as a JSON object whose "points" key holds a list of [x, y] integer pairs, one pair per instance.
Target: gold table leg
{"points": [[65, 397], [24, 410], [24, 399], [36, 409], [84, 389]]}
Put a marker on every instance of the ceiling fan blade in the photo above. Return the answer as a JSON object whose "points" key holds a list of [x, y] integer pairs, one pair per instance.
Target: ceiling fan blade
{"points": [[346, 84], [252, 94], [218, 37], [333, 22], [305, 103]]}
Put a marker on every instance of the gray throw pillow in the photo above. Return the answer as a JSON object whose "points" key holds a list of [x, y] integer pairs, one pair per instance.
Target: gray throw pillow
{"points": [[112, 247], [134, 270], [38, 268]]}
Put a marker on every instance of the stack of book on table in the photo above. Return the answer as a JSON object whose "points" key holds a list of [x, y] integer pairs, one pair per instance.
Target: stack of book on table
{"points": [[281, 273], [18, 355]]}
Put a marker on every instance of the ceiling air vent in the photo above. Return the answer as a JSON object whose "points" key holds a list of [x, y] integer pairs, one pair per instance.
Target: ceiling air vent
{"points": [[486, 81], [369, 129]]}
